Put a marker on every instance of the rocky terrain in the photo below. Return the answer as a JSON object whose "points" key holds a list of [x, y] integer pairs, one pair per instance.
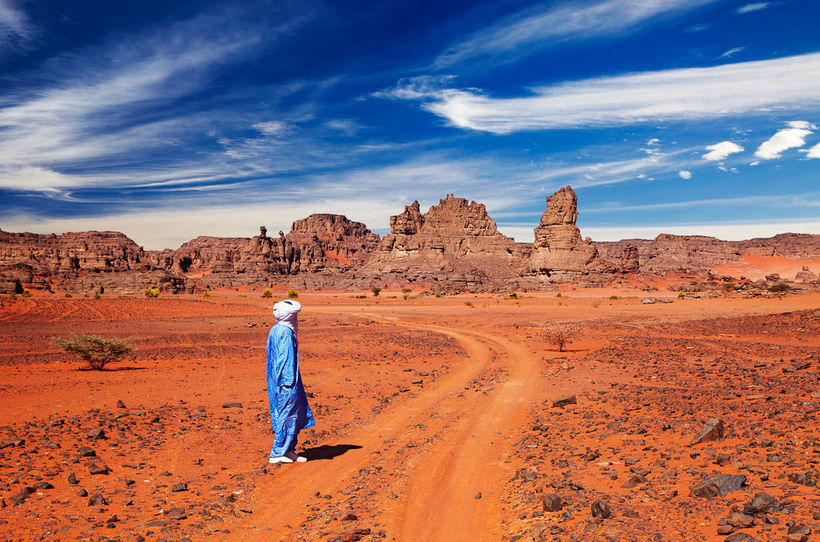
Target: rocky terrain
{"points": [[455, 246], [446, 418]]}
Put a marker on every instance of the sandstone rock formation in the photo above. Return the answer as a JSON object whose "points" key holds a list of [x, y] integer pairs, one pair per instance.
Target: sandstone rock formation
{"points": [[455, 246], [682, 253], [455, 242], [558, 249]]}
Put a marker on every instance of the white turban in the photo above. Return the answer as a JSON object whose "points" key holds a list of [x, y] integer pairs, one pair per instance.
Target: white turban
{"points": [[285, 313]]}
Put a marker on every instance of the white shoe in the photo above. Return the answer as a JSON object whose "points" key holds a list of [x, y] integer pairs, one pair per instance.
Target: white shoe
{"points": [[280, 459], [297, 458]]}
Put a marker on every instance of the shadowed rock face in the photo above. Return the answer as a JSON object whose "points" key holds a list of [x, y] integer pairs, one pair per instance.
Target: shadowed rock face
{"points": [[558, 247]]}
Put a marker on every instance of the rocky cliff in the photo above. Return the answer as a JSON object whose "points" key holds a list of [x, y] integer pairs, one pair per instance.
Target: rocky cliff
{"points": [[558, 250], [455, 242]]}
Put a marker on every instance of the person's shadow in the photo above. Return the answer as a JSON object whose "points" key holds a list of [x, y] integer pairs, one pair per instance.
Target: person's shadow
{"points": [[327, 451]]}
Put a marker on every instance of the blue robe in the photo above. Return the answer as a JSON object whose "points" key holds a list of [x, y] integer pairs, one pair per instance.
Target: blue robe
{"points": [[289, 409]]}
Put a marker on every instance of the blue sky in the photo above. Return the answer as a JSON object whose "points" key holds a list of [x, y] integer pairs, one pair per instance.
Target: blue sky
{"points": [[680, 116]]}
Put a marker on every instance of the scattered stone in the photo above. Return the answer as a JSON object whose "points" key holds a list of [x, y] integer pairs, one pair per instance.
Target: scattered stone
{"points": [[740, 520], [762, 503], [741, 537], [551, 502], [21, 496], [97, 499], [798, 533], [120, 404], [95, 433], [600, 509], [232, 405], [722, 484], [564, 401], [85, 451], [43, 485], [712, 430], [82, 493], [182, 486], [99, 468], [176, 513], [477, 496]]}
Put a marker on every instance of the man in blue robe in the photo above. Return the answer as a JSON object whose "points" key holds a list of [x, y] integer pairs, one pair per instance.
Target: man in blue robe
{"points": [[289, 409]]}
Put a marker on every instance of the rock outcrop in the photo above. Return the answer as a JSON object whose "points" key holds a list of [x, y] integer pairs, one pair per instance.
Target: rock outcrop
{"points": [[685, 253], [454, 246], [455, 242], [558, 250]]}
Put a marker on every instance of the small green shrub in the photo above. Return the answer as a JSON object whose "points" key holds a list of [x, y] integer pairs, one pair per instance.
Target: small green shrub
{"points": [[558, 294], [243, 295], [97, 295], [681, 295], [151, 292], [292, 294], [97, 351], [780, 287], [468, 303], [728, 287], [376, 291], [437, 294], [613, 297], [207, 295], [25, 293], [267, 293], [560, 335], [67, 294]]}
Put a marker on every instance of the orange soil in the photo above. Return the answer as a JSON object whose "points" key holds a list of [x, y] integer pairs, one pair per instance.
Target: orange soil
{"points": [[434, 418]]}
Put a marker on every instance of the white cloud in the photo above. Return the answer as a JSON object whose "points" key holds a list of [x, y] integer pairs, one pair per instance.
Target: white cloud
{"points": [[14, 25], [347, 126], [755, 6], [732, 52], [680, 94], [551, 24], [685, 174], [789, 138], [814, 152], [273, 128], [720, 151]]}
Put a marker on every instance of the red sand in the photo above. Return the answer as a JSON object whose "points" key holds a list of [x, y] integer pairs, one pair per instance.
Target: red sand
{"points": [[434, 418]]}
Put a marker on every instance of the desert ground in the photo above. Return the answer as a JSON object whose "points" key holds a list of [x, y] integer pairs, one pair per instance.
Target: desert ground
{"points": [[446, 418]]}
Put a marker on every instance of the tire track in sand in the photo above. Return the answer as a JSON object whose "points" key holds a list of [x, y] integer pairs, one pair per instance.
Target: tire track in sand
{"points": [[440, 500]]}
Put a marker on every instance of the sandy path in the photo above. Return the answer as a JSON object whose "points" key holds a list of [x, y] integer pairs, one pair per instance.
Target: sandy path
{"points": [[440, 501]]}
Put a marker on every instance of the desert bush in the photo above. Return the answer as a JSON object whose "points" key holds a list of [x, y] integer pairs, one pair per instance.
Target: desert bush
{"points": [[376, 291], [558, 294], [267, 293], [207, 295], [780, 287], [26, 293], [728, 287], [67, 294], [97, 295], [97, 351], [437, 294], [151, 292], [613, 297], [560, 335], [292, 294], [681, 295]]}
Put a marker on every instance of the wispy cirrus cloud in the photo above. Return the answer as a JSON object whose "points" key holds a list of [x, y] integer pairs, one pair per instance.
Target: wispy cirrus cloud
{"points": [[15, 27], [754, 6], [679, 94], [550, 25]]}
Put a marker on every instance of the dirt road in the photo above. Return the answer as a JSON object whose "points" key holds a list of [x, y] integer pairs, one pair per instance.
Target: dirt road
{"points": [[453, 485]]}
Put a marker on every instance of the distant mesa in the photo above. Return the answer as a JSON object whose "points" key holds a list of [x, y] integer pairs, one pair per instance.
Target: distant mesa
{"points": [[454, 246]]}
